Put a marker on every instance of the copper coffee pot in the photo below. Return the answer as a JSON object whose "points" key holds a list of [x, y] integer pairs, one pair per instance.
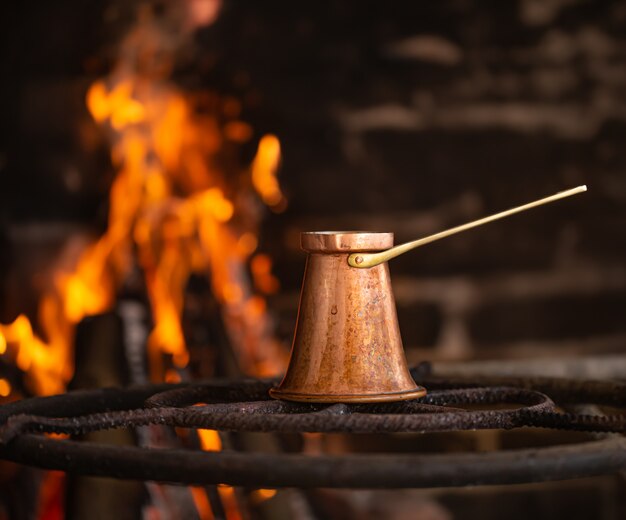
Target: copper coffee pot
{"points": [[347, 346]]}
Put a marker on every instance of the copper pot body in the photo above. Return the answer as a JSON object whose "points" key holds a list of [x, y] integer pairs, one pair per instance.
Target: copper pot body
{"points": [[347, 345]]}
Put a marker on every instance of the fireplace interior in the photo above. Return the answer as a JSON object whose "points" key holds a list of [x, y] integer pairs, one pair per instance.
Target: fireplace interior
{"points": [[160, 160]]}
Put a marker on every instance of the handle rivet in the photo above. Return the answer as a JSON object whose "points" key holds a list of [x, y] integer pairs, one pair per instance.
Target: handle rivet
{"points": [[358, 260]]}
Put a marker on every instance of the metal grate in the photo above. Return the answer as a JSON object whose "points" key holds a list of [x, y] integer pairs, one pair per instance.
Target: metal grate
{"points": [[451, 405]]}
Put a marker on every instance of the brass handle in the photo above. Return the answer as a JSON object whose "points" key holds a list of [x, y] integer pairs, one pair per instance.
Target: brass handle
{"points": [[365, 260]]}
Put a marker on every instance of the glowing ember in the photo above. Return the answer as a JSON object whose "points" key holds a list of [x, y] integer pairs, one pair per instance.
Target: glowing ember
{"points": [[210, 440], [51, 496], [229, 501], [202, 504], [261, 495]]}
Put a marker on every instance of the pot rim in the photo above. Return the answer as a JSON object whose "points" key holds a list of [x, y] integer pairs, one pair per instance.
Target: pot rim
{"points": [[345, 241]]}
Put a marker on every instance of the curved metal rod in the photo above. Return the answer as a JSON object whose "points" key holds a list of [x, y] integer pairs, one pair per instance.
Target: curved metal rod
{"points": [[346, 471], [273, 416], [366, 260]]}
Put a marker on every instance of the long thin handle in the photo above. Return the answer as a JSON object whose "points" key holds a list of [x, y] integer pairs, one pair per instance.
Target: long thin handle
{"points": [[363, 260]]}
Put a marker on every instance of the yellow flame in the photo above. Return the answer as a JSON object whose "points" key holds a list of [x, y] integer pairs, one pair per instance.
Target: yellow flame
{"points": [[88, 289], [117, 105], [213, 203], [264, 168], [210, 440], [34, 356], [5, 388]]}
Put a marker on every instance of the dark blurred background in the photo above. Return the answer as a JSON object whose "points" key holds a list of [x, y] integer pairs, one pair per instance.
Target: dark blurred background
{"points": [[393, 116], [414, 118]]}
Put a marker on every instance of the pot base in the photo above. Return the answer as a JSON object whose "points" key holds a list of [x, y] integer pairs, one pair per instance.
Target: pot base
{"points": [[405, 395]]}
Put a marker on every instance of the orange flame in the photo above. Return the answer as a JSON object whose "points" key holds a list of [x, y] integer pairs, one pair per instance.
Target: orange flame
{"points": [[171, 205], [210, 440], [35, 357], [229, 500], [264, 168], [5, 388], [202, 503], [173, 211], [116, 105]]}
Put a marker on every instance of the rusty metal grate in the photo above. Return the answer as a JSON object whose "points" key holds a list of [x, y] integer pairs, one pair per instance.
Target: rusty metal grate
{"points": [[451, 405]]}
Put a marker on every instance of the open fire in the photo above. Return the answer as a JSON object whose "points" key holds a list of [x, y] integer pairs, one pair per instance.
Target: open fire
{"points": [[181, 204]]}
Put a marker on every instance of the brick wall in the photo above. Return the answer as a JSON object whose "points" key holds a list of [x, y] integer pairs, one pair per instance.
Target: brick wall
{"points": [[413, 117]]}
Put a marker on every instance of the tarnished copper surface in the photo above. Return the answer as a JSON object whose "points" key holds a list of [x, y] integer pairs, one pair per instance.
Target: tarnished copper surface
{"points": [[347, 345]]}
